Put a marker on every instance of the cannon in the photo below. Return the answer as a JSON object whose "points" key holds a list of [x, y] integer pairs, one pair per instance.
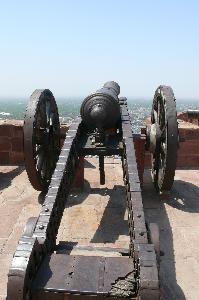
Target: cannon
{"points": [[193, 115], [38, 270], [101, 110]]}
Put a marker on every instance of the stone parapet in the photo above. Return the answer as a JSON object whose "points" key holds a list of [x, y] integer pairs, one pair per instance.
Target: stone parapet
{"points": [[188, 151], [11, 144], [11, 141]]}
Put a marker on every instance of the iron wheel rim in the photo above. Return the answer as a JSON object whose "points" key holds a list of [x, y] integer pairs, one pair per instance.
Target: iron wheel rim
{"points": [[164, 158], [41, 138]]}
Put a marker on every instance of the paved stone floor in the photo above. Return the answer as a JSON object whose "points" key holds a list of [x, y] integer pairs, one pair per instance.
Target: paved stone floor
{"points": [[177, 216], [98, 215], [178, 220], [18, 202]]}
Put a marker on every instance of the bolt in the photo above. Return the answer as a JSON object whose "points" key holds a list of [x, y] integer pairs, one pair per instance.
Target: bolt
{"points": [[46, 209], [41, 226]]}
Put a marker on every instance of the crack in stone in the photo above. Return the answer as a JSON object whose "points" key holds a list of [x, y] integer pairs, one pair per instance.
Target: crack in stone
{"points": [[124, 286]]}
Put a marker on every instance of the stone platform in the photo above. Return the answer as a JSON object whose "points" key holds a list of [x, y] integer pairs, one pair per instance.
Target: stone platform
{"points": [[92, 217]]}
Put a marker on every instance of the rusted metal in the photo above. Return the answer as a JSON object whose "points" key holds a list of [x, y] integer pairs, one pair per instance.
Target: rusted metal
{"points": [[37, 272]]}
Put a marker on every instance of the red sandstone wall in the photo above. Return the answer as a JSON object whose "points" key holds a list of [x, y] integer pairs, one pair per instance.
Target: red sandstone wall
{"points": [[11, 144], [188, 152], [11, 141]]}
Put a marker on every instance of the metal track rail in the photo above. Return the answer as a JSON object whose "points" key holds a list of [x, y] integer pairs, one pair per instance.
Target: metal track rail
{"points": [[141, 251], [31, 250]]}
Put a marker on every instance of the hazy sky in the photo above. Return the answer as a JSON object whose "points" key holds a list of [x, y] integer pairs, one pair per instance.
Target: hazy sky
{"points": [[73, 47]]}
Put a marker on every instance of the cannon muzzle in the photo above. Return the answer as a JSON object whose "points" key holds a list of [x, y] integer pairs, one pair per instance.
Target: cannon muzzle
{"points": [[101, 109]]}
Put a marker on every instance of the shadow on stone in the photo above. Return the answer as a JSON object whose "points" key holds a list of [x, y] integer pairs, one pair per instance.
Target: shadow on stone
{"points": [[41, 197], [184, 196], [89, 165], [112, 224], [6, 178], [155, 212]]}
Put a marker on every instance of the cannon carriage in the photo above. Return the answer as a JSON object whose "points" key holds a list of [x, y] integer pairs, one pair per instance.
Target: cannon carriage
{"points": [[103, 129]]}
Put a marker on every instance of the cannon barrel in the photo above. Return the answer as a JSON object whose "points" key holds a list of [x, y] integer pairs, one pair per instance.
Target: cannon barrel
{"points": [[101, 109], [193, 113]]}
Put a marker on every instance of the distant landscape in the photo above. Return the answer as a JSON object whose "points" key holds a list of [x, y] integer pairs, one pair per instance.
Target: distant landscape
{"points": [[69, 108]]}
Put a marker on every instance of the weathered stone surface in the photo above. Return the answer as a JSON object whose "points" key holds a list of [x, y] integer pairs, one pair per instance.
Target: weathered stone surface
{"points": [[98, 215], [90, 219], [4, 268], [178, 220], [18, 201]]}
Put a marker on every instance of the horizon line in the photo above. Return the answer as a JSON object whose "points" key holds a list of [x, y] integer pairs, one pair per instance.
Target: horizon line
{"points": [[61, 97]]}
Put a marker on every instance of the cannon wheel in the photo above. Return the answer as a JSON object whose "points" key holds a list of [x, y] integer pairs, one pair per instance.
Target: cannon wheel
{"points": [[164, 119], [41, 138]]}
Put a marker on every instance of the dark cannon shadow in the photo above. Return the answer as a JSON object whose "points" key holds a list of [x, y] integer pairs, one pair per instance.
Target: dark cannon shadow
{"points": [[112, 223], [89, 165], [7, 177], [184, 196]]}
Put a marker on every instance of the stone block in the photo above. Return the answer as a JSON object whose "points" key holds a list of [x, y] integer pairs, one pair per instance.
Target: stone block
{"points": [[5, 144], [17, 130], [5, 130], [4, 157], [17, 144], [189, 147], [16, 158]]}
